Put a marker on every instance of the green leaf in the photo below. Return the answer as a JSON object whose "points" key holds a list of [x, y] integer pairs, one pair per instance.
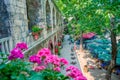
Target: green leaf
{"points": [[21, 77], [37, 76], [2, 66]]}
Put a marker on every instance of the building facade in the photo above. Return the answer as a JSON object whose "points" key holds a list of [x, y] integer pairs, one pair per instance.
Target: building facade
{"points": [[17, 18]]}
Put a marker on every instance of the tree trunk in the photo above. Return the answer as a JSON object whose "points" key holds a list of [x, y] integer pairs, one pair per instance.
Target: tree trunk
{"points": [[81, 42], [114, 50]]}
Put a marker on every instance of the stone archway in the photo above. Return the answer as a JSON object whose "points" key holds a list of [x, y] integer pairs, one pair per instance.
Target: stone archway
{"points": [[55, 45], [33, 12], [50, 45], [4, 21]]}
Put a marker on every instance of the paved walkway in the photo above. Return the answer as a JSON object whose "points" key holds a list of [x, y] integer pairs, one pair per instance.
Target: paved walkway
{"points": [[81, 60], [67, 54]]}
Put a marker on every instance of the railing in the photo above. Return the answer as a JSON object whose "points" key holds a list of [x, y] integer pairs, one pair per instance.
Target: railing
{"points": [[49, 31], [6, 44], [32, 42]]}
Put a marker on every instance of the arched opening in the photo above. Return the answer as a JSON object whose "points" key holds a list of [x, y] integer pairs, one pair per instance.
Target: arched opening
{"points": [[33, 13], [57, 20], [50, 45], [48, 21], [4, 21]]}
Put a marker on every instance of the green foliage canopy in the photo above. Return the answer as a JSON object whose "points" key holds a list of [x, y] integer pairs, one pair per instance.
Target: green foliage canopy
{"points": [[90, 15]]}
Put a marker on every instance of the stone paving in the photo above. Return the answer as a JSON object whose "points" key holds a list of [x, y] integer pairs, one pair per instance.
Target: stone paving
{"points": [[66, 53]]}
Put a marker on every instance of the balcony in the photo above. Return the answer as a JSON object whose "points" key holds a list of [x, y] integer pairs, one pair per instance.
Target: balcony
{"points": [[7, 44]]}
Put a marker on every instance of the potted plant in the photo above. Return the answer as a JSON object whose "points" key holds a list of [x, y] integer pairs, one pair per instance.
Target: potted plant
{"points": [[56, 49], [49, 27], [36, 31]]}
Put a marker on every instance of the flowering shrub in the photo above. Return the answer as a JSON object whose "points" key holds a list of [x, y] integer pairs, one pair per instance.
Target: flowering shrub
{"points": [[55, 73], [46, 66], [16, 53], [48, 73], [15, 68]]}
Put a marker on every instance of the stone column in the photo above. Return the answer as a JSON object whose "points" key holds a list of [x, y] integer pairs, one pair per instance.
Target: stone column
{"points": [[44, 17], [52, 17], [55, 18], [18, 19]]}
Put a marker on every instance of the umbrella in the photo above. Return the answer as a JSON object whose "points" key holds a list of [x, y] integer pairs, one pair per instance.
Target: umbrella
{"points": [[118, 61], [88, 41], [104, 57], [102, 41], [88, 35], [118, 54]]}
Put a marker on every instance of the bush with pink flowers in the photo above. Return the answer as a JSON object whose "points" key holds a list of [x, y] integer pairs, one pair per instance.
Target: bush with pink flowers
{"points": [[54, 72], [15, 67], [45, 66]]}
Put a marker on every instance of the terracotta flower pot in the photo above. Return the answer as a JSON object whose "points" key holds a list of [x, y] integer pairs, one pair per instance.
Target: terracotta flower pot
{"points": [[35, 35], [56, 50], [59, 43]]}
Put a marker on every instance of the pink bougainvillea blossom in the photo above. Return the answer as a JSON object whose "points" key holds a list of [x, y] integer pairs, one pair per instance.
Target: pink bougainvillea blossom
{"points": [[22, 46], [34, 59], [16, 53]]}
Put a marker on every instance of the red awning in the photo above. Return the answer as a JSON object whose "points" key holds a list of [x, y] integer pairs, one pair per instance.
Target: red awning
{"points": [[88, 35]]}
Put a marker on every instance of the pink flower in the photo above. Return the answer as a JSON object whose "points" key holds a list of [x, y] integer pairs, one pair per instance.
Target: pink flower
{"points": [[44, 52], [53, 59], [16, 53], [39, 68], [74, 72], [71, 75], [57, 69], [34, 59], [48, 60], [22, 45], [63, 61]]}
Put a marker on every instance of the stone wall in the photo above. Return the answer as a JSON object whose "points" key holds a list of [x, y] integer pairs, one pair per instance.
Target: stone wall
{"points": [[18, 16], [17, 19]]}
